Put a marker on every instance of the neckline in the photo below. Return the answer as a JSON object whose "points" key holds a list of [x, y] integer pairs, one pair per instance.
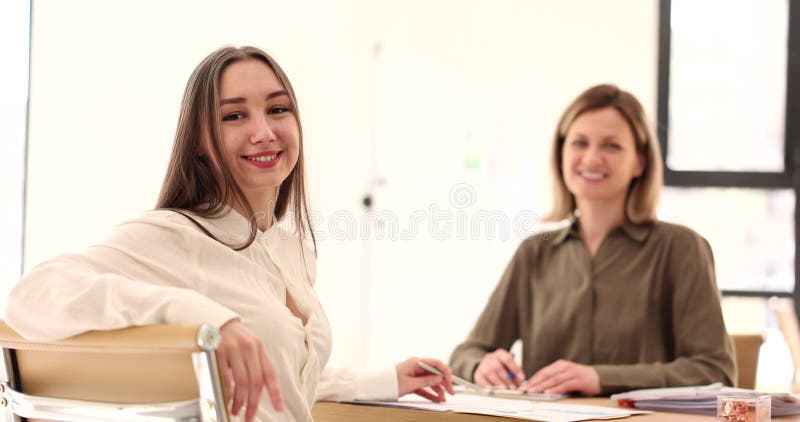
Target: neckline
{"points": [[235, 223]]}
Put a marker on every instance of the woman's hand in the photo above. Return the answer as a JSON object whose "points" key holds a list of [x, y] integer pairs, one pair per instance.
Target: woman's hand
{"points": [[413, 379], [246, 369], [495, 370], [562, 377]]}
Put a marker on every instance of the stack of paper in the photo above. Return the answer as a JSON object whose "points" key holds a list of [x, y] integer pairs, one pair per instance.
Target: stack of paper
{"points": [[702, 400], [513, 408]]}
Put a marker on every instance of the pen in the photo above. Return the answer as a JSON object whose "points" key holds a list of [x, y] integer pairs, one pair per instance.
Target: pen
{"points": [[508, 371], [457, 380]]}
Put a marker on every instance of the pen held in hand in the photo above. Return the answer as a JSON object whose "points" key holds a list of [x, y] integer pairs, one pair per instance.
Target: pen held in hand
{"points": [[509, 372], [457, 380], [491, 391]]}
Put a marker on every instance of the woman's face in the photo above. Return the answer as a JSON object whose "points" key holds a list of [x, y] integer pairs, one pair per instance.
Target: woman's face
{"points": [[260, 137], [599, 157]]}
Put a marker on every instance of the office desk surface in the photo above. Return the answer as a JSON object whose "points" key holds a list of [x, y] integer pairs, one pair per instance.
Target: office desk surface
{"points": [[338, 412]]}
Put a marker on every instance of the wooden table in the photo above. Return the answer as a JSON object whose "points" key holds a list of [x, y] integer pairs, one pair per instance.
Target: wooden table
{"points": [[339, 412]]}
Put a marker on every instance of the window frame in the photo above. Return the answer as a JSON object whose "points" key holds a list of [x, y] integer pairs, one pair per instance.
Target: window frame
{"points": [[788, 179], [15, 159]]}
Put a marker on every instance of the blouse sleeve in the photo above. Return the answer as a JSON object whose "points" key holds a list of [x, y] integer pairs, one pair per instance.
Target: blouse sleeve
{"points": [[703, 349], [362, 384], [498, 325], [145, 273]]}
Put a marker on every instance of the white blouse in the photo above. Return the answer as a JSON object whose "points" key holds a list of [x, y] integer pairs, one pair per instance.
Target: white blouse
{"points": [[161, 269]]}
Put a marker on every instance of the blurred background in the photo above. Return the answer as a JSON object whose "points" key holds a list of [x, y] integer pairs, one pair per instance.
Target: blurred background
{"points": [[427, 132]]}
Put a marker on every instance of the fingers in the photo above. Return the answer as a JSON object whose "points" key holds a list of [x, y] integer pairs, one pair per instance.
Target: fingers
{"points": [[439, 389], [545, 376], [507, 360], [437, 396], [254, 393], [496, 378], [565, 387], [565, 377], [481, 377], [499, 369], [423, 381], [246, 370], [428, 395], [412, 378], [545, 384], [225, 374], [240, 381], [256, 376], [547, 372], [444, 369], [484, 372]]}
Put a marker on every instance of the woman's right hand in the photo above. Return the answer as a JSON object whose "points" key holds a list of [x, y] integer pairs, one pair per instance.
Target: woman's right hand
{"points": [[246, 369], [495, 369]]}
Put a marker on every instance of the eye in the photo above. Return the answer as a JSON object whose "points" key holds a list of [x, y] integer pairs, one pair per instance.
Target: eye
{"points": [[614, 146], [232, 116], [278, 110], [578, 143]]}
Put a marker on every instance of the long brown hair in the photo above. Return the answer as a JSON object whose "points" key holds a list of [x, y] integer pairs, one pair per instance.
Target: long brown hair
{"points": [[191, 184], [640, 206]]}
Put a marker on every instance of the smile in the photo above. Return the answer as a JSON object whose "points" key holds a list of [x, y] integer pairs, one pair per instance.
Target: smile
{"points": [[264, 159], [592, 176]]}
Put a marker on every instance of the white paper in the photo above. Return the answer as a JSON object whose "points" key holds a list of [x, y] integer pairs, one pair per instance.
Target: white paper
{"points": [[513, 408]]}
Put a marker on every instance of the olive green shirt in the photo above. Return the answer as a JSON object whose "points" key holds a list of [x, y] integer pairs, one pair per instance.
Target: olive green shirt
{"points": [[644, 312]]}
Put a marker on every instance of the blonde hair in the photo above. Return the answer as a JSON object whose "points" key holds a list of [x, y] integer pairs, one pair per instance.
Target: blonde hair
{"points": [[644, 190], [191, 181]]}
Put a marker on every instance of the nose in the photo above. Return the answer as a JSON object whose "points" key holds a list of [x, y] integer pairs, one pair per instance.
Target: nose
{"points": [[592, 155], [261, 130]]}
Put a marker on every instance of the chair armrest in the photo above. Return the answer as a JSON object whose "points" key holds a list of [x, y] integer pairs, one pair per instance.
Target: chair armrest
{"points": [[133, 340], [136, 365]]}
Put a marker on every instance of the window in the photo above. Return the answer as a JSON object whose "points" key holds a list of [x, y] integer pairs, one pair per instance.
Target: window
{"points": [[725, 91], [728, 86], [15, 44]]}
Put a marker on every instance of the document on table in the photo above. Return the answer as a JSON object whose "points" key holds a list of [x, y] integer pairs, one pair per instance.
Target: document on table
{"points": [[700, 399], [512, 408]]}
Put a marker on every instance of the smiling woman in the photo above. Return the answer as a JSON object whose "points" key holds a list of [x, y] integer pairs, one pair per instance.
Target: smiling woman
{"points": [[617, 300], [215, 251], [600, 159], [252, 107], [259, 132], [276, 125]]}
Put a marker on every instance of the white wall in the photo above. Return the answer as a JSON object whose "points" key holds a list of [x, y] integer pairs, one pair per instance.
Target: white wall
{"points": [[453, 80], [468, 101]]}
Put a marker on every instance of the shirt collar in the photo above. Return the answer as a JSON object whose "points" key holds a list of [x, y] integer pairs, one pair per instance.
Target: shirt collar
{"points": [[637, 232], [234, 228], [561, 234]]}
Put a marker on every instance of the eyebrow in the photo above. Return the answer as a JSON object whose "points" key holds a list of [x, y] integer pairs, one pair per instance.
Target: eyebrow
{"points": [[240, 100], [604, 138]]}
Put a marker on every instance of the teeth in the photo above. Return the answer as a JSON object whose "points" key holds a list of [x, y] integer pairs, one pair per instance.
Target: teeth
{"points": [[263, 158], [593, 176]]}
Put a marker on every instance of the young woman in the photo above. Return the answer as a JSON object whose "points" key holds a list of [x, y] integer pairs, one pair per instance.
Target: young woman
{"points": [[215, 251], [617, 300]]}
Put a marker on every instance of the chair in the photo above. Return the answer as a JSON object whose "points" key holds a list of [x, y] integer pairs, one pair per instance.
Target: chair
{"points": [[152, 373], [747, 347], [787, 320]]}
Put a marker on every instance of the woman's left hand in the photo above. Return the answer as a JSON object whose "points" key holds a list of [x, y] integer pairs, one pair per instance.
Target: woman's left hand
{"points": [[562, 377], [413, 379]]}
